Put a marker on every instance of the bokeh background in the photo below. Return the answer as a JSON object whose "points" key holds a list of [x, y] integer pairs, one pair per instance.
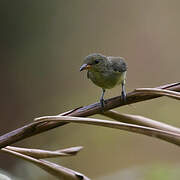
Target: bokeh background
{"points": [[42, 45]]}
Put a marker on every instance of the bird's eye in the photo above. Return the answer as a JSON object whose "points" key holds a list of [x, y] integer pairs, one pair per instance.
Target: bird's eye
{"points": [[96, 61]]}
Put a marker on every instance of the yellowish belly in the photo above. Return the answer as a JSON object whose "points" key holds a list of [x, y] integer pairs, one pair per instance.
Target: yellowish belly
{"points": [[107, 80]]}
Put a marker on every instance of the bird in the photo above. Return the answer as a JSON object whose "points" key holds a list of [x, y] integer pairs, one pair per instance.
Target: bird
{"points": [[106, 72]]}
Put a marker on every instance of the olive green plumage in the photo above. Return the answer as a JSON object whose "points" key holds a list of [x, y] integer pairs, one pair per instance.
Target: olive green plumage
{"points": [[106, 72]]}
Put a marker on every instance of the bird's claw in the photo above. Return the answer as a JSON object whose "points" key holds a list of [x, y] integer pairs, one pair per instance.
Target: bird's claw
{"points": [[123, 96], [102, 102]]}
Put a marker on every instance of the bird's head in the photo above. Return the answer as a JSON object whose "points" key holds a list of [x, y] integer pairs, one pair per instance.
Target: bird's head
{"points": [[94, 62]]}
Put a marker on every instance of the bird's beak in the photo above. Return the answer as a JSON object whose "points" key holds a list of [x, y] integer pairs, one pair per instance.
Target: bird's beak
{"points": [[85, 67]]}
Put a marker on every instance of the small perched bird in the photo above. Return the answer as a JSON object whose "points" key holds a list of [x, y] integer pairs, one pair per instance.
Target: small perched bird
{"points": [[106, 72]]}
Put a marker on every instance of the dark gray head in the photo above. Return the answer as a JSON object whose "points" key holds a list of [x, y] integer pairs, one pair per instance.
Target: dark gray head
{"points": [[94, 61]]}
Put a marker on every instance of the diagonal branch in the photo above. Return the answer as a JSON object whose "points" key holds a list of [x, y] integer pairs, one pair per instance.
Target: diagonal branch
{"points": [[33, 129], [163, 92], [140, 120], [132, 97], [149, 131]]}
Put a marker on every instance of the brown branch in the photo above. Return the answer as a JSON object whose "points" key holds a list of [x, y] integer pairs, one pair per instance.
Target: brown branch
{"points": [[33, 129], [140, 120], [163, 92], [153, 132]]}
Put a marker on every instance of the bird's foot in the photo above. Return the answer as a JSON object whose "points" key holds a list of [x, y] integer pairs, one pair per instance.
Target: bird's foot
{"points": [[123, 96], [102, 102]]}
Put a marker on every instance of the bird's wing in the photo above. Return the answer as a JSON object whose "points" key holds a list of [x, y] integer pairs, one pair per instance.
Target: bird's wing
{"points": [[118, 64]]}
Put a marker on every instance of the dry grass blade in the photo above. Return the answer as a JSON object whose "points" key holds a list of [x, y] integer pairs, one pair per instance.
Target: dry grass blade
{"points": [[165, 135], [140, 120], [70, 151], [54, 169], [162, 92], [41, 154]]}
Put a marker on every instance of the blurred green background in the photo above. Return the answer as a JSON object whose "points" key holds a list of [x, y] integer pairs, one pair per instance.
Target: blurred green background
{"points": [[42, 45]]}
